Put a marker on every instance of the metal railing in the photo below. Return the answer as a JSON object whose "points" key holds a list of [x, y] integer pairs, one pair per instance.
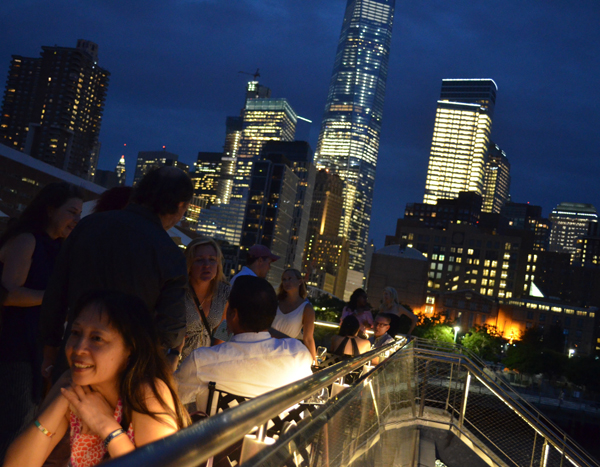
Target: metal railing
{"points": [[196, 444], [423, 384]]}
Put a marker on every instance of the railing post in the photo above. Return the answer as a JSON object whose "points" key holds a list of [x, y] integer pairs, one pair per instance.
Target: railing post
{"points": [[463, 408], [449, 388], [423, 390], [545, 451]]}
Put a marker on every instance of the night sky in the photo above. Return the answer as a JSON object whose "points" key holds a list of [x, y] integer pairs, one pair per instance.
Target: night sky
{"points": [[174, 78]]}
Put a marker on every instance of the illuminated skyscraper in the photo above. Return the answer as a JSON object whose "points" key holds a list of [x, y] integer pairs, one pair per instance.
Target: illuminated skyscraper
{"points": [[348, 143], [121, 171], [570, 221], [461, 138], [53, 107], [497, 180], [207, 170], [148, 160], [264, 119]]}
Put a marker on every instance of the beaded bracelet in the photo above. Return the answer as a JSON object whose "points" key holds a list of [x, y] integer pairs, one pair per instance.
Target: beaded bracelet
{"points": [[42, 429], [112, 436]]}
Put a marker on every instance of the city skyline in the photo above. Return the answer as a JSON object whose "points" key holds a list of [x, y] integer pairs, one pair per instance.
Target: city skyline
{"points": [[174, 79]]}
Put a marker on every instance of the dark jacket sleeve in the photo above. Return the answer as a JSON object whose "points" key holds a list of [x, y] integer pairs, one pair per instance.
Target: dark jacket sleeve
{"points": [[170, 310], [53, 313]]}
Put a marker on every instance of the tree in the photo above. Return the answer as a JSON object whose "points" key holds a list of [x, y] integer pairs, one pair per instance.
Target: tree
{"points": [[327, 308], [484, 341], [433, 328]]}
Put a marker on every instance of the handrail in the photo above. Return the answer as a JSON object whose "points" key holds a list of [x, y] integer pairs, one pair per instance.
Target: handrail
{"points": [[536, 420], [196, 444], [506, 387]]}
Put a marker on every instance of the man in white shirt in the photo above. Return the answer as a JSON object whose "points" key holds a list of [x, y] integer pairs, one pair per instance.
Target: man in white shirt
{"points": [[252, 362], [258, 262]]}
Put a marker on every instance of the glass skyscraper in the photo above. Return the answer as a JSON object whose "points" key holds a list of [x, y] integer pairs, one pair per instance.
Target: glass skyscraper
{"points": [[348, 143], [461, 138]]}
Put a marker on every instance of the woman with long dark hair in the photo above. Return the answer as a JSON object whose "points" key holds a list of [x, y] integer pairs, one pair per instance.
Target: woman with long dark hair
{"points": [[28, 251], [118, 394], [359, 307]]}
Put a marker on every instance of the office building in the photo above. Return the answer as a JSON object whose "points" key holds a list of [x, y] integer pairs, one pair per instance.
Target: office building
{"points": [[496, 180], [326, 254], [528, 216], [233, 135], [264, 119], [148, 160], [300, 156], [269, 212], [405, 269], [53, 105], [461, 138], [348, 143], [465, 256], [206, 175], [464, 209], [121, 171], [570, 221]]}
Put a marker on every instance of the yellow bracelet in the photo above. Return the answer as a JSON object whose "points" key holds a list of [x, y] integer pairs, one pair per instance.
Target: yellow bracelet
{"points": [[42, 429]]}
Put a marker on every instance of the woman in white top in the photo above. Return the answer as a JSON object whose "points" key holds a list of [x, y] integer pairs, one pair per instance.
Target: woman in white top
{"points": [[295, 315]]}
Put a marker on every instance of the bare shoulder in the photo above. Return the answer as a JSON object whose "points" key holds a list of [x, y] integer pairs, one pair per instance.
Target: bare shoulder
{"points": [[162, 390], [23, 243]]}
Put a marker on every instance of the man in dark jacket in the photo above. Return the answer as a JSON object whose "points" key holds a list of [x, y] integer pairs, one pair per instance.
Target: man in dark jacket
{"points": [[130, 251]]}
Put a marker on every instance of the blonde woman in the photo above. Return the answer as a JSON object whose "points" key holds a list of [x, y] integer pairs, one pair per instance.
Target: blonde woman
{"points": [[295, 315], [207, 295]]}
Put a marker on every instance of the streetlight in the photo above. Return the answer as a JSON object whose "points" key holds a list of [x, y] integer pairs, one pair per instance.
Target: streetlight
{"points": [[571, 352], [456, 329]]}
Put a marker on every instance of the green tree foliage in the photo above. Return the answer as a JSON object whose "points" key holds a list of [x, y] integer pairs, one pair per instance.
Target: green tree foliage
{"points": [[328, 308], [433, 328], [537, 353], [484, 341]]}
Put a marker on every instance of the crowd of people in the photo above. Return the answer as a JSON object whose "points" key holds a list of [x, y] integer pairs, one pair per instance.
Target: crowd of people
{"points": [[110, 335]]}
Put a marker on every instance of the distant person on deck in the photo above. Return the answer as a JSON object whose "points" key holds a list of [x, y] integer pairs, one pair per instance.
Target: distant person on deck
{"points": [[403, 320], [129, 251], [252, 362], [258, 262]]}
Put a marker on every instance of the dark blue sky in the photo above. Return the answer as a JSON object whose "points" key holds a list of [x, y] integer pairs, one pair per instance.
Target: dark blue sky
{"points": [[174, 78]]}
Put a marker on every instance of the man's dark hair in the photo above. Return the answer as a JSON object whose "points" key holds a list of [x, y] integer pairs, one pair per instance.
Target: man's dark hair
{"points": [[162, 190], [255, 301]]}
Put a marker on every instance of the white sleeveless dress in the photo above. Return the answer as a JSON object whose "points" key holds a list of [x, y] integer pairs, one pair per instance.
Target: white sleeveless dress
{"points": [[291, 323]]}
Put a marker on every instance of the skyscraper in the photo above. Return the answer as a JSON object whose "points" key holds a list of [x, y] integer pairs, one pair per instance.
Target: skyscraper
{"points": [[496, 180], [270, 210], [570, 221], [121, 171], [264, 119], [206, 176], [147, 160], [53, 106], [348, 143], [300, 155], [461, 138]]}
